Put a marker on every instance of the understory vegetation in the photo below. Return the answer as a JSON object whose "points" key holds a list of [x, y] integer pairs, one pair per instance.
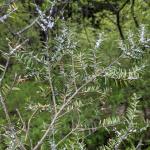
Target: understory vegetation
{"points": [[74, 75]]}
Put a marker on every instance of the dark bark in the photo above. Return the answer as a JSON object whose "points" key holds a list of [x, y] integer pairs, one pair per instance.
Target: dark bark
{"points": [[118, 22], [133, 14], [119, 26]]}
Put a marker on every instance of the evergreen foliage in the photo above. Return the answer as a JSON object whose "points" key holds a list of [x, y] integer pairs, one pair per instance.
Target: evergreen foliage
{"points": [[74, 85]]}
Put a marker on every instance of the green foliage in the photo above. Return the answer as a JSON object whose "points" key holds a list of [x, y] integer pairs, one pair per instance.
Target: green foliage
{"points": [[69, 85]]}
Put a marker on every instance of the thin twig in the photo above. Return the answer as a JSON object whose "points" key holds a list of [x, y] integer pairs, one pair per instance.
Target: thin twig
{"points": [[21, 119], [28, 124], [3, 18]]}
